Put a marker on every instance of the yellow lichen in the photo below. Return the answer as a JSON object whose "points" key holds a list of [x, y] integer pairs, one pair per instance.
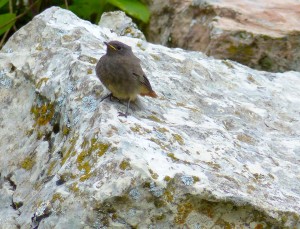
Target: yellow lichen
{"points": [[41, 81], [65, 130], [168, 194], [167, 178], [171, 155], [43, 114], [39, 47], [57, 196], [183, 211], [153, 174], [74, 188], [196, 179], [154, 118], [92, 60], [161, 129], [102, 148], [84, 165], [51, 166], [178, 138], [89, 71], [28, 163], [158, 142], [158, 217], [29, 132], [124, 165], [71, 151], [136, 128]]}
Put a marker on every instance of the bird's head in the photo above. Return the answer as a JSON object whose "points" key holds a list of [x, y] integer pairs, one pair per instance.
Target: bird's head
{"points": [[117, 47]]}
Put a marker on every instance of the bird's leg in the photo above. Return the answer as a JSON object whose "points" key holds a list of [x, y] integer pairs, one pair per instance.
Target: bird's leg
{"points": [[105, 97], [126, 113], [110, 95]]}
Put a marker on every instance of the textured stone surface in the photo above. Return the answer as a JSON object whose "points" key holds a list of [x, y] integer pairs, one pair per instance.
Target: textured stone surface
{"points": [[219, 147], [261, 34], [121, 24]]}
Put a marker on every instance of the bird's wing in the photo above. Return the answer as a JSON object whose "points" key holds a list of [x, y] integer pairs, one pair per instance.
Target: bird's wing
{"points": [[138, 72], [144, 80]]}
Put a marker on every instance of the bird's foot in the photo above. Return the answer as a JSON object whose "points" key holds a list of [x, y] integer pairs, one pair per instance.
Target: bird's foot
{"points": [[121, 114]]}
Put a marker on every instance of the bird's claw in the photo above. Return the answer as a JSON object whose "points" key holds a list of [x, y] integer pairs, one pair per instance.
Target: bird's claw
{"points": [[121, 114]]}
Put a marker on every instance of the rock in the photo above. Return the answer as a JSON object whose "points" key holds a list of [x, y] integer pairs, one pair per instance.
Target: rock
{"points": [[261, 34], [218, 148], [121, 24]]}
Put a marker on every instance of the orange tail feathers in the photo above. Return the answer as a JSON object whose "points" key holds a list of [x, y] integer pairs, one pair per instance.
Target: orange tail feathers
{"points": [[150, 94]]}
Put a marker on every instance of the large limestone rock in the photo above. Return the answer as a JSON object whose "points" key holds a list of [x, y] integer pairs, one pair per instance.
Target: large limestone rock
{"points": [[121, 24], [219, 148], [261, 34]]}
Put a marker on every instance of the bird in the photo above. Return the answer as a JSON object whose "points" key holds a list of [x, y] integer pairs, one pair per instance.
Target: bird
{"points": [[121, 73]]}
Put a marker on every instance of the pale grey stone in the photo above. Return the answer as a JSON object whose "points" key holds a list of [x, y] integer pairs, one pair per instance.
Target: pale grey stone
{"points": [[220, 146]]}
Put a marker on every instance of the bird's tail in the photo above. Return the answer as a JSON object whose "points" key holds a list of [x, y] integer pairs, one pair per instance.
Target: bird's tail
{"points": [[150, 93]]}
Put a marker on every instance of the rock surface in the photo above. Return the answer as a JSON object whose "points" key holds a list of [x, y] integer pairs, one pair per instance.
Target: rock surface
{"points": [[121, 24], [219, 148], [261, 34]]}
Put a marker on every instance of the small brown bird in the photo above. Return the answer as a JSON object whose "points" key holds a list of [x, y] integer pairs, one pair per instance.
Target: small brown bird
{"points": [[121, 73]]}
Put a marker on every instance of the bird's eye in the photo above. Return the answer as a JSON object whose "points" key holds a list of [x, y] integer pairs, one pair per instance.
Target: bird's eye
{"points": [[119, 47]]}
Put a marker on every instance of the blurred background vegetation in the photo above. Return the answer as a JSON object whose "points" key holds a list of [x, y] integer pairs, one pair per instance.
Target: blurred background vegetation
{"points": [[16, 13]]}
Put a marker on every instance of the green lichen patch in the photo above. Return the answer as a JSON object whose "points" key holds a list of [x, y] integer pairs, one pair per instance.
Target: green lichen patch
{"points": [[224, 214], [224, 224], [172, 156], [169, 194], [57, 197], [50, 168], [183, 210], [67, 153], [74, 188], [139, 129], [154, 118], [41, 81], [39, 47], [42, 113], [29, 132], [213, 165], [266, 63], [160, 143], [196, 179], [167, 179], [83, 164], [95, 146], [65, 130], [153, 174], [162, 129], [156, 218], [159, 203], [242, 51], [88, 156], [124, 165], [178, 139], [28, 163], [89, 71]]}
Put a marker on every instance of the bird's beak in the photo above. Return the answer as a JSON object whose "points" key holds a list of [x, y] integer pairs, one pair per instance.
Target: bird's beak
{"points": [[108, 45]]}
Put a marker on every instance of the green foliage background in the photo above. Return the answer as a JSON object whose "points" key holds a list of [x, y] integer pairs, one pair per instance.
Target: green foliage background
{"points": [[16, 13]]}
